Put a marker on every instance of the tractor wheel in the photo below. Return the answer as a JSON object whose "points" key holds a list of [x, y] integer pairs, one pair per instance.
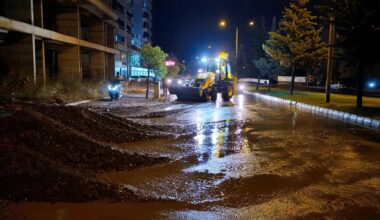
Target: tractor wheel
{"points": [[228, 93], [214, 95]]}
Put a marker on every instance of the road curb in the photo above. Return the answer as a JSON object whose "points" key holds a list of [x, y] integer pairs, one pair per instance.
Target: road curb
{"points": [[78, 103], [329, 113]]}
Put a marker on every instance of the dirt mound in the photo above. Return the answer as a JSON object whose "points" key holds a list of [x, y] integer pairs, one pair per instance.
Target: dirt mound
{"points": [[97, 126], [62, 143], [45, 158], [26, 175]]}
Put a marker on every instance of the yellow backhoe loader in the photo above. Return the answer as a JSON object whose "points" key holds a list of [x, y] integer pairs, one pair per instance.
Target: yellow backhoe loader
{"points": [[215, 78]]}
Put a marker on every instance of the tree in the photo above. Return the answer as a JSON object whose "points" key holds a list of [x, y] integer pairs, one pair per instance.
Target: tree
{"points": [[182, 68], [266, 67], [260, 36], [173, 70], [297, 42], [153, 58], [242, 64], [358, 33]]}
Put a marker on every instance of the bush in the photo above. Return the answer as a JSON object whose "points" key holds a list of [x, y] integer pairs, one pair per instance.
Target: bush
{"points": [[57, 90]]}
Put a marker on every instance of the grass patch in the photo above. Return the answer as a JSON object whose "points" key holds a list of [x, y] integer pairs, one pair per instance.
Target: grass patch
{"points": [[339, 102]]}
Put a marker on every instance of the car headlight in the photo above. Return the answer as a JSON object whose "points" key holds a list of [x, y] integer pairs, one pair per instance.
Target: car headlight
{"points": [[169, 81], [241, 87], [179, 82]]}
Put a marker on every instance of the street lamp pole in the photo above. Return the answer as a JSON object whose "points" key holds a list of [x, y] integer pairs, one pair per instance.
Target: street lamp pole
{"points": [[236, 43], [330, 58], [223, 24]]}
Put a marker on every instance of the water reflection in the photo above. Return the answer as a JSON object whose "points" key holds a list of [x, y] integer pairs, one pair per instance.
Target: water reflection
{"points": [[294, 119], [214, 135]]}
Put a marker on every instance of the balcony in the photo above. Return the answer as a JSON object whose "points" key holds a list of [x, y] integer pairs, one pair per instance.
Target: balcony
{"points": [[101, 8]]}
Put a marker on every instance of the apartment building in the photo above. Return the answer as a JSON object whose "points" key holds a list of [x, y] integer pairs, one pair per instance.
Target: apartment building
{"points": [[141, 22], [141, 32], [122, 35], [47, 39]]}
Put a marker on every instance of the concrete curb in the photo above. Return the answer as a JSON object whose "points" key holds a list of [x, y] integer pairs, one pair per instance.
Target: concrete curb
{"points": [[78, 103], [330, 113]]}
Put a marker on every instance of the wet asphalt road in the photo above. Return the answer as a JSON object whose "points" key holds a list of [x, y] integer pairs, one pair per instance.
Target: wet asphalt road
{"points": [[245, 159]]}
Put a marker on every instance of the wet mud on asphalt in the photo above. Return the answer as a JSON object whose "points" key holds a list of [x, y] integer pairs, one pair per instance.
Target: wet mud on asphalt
{"points": [[243, 159]]}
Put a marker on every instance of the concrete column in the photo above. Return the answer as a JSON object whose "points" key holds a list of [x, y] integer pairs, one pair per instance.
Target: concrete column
{"points": [[96, 31], [43, 44], [110, 74], [67, 23], [69, 62], [97, 65], [96, 34], [33, 44]]}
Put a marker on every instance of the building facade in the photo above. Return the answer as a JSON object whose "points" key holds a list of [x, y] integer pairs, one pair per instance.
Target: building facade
{"points": [[141, 32], [141, 22], [82, 39], [48, 39], [122, 36]]}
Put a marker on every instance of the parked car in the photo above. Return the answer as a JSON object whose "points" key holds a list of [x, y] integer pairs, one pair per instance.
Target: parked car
{"points": [[338, 86]]}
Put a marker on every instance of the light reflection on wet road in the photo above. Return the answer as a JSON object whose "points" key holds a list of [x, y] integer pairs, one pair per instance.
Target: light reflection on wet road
{"points": [[252, 159]]}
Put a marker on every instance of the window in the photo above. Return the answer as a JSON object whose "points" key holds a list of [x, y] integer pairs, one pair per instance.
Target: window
{"points": [[119, 39], [121, 24], [118, 7]]}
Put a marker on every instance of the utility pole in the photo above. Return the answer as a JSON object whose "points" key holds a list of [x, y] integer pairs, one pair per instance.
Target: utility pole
{"points": [[330, 58]]}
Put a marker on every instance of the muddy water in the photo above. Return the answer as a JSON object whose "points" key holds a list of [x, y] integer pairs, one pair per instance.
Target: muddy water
{"points": [[245, 159]]}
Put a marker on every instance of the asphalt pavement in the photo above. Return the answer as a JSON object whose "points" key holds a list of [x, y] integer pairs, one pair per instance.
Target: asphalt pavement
{"points": [[244, 159]]}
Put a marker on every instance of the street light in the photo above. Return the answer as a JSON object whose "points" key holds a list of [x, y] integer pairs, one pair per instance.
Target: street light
{"points": [[222, 23]]}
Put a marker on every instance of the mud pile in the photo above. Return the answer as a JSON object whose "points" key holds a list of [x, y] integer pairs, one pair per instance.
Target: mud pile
{"points": [[52, 153]]}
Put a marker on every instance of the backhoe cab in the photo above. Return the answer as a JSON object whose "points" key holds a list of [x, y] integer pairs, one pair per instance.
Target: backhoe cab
{"points": [[215, 78]]}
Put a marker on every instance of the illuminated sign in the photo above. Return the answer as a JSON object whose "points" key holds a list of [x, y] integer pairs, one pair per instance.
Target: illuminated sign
{"points": [[170, 62]]}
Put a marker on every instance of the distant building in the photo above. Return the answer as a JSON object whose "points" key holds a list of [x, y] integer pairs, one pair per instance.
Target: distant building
{"points": [[122, 36], [141, 22], [55, 38]]}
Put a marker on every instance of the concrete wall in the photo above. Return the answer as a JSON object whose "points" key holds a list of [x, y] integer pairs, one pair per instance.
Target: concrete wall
{"points": [[69, 61]]}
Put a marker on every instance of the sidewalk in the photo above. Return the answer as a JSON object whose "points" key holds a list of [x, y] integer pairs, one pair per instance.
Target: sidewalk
{"points": [[318, 110], [339, 102]]}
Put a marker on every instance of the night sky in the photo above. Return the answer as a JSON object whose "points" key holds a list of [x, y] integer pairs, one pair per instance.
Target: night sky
{"points": [[187, 27]]}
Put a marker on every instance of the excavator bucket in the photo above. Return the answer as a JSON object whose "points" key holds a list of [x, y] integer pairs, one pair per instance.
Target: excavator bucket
{"points": [[187, 94]]}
